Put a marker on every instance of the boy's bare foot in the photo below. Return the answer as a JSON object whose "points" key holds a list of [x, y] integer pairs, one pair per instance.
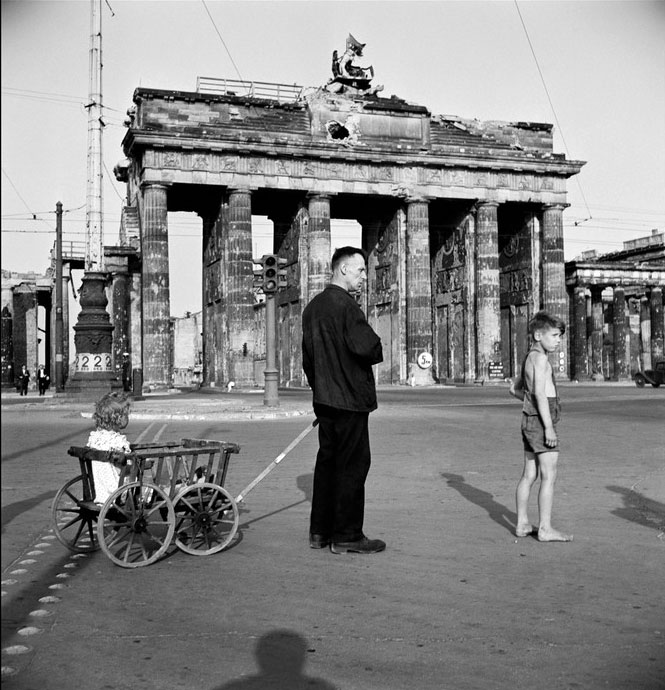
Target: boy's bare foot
{"points": [[553, 535], [525, 530]]}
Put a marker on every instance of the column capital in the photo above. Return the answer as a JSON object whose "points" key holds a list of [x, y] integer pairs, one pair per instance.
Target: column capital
{"points": [[485, 203], [417, 199], [239, 190], [554, 207], [155, 185], [319, 195]]}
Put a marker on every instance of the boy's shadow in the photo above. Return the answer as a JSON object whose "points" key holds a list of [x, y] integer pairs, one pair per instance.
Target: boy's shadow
{"points": [[499, 513], [281, 657], [640, 509]]}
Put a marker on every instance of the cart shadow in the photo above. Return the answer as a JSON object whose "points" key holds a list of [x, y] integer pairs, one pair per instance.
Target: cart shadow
{"points": [[13, 510], [50, 444], [639, 509], [303, 482], [498, 513], [19, 603], [281, 656]]}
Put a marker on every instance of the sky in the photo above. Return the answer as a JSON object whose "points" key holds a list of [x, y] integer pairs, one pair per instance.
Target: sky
{"points": [[594, 69]]}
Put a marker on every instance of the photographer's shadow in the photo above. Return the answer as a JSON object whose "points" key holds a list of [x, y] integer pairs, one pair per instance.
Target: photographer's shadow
{"points": [[281, 656]]}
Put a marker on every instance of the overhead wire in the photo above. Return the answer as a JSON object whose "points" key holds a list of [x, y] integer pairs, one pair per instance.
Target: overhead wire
{"points": [[228, 52], [549, 98]]}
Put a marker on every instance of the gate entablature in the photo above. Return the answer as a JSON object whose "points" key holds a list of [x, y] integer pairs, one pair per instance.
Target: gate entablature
{"points": [[392, 148]]}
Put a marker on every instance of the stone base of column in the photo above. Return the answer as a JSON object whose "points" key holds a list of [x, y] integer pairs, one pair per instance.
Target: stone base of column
{"points": [[419, 377], [91, 386]]}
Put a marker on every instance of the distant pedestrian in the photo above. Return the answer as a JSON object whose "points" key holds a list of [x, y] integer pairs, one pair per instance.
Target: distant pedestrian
{"points": [[339, 349], [126, 372], [111, 416], [23, 380], [541, 412], [42, 379]]}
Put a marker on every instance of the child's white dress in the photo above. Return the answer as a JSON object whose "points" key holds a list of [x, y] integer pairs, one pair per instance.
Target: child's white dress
{"points": [[105, 474]]}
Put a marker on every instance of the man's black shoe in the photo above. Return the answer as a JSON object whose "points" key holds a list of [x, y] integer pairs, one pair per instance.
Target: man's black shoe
{"points": [[363, 545], [318, 541]]}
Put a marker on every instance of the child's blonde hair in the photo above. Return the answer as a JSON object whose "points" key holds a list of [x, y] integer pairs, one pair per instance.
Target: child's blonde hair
{"points": [[110, 410]]}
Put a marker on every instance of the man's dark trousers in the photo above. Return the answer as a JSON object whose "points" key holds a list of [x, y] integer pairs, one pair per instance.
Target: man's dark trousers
{"points": [[342, 464]]}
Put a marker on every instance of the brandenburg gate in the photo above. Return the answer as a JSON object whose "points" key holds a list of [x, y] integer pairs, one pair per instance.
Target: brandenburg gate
{"points": [[461, 220]]}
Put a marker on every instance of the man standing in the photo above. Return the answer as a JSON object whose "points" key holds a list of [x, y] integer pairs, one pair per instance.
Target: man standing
{"points": [[23, 380], [339, 349]]}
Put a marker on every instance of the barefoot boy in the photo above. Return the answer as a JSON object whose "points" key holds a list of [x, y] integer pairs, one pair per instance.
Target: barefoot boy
{"points": [[540, 414]]}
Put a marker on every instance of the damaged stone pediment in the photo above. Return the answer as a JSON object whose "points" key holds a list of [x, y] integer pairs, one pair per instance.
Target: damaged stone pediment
{"points": [[365, 120]]}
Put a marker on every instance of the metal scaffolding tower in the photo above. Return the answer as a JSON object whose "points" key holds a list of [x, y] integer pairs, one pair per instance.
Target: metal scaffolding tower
{"points": [[94, 238]]}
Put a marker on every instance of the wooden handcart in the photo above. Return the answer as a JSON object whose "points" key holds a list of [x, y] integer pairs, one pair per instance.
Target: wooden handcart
{"points": [[166, 491]]}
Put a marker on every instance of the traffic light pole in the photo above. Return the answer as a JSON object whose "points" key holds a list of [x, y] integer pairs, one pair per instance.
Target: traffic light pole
{"points": [[270, 395]]}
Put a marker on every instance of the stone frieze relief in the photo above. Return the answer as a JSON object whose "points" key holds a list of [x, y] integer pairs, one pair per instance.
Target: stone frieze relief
{"points": [[351, 171]]}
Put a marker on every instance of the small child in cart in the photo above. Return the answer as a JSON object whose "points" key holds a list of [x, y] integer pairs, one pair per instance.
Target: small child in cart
{"points": [[111, 416]]}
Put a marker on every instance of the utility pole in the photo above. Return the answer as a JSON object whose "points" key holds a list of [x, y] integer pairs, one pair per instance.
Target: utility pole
{"points": [[94, 242], [59, 331], [95, 374]]}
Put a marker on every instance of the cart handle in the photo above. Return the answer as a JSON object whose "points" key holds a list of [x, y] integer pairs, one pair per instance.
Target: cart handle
{"points": [[276, 461]]}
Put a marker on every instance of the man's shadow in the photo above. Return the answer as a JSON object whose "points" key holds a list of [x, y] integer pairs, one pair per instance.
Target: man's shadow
{"points": [[281, 657], [499, 513], [640, 509]]}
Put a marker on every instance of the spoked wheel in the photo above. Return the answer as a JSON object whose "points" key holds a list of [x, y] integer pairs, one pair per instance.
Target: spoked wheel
{"points": [[640, 381], [136, 525], [74, 519], [206, 519]]}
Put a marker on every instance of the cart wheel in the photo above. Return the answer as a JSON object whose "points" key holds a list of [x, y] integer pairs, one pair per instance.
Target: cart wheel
{"points": [[75, 520], [640, 380], [136, 525], [206, 519]]}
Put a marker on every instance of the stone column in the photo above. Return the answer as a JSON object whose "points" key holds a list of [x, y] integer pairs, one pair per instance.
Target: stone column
{"points": [[418, 292], [318, 242], [657, 325], [116, 264], [239, 296], [645, 333], [554, 298], [155, 289], [620, 329], [580, 351], [597, 332], [7, 349], [211, 296], [469, 293], [488, 318]]}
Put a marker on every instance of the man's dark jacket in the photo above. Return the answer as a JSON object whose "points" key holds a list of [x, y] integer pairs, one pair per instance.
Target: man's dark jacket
{"points": [[339, 348]]}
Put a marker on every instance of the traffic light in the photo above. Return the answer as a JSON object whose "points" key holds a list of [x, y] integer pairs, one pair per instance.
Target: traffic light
{"points": [[258, 274], [281, 272], [270, 265], [270, 277]]}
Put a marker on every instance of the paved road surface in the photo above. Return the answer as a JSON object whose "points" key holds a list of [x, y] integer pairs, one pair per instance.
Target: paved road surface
{"points": [[454, 603]]}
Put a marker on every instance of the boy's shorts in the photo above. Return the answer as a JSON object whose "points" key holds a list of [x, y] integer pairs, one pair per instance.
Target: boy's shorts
{"points": [[533, 431]]}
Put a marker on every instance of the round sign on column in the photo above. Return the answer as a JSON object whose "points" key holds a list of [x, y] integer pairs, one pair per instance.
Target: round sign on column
{"points": [[424, 360]]}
